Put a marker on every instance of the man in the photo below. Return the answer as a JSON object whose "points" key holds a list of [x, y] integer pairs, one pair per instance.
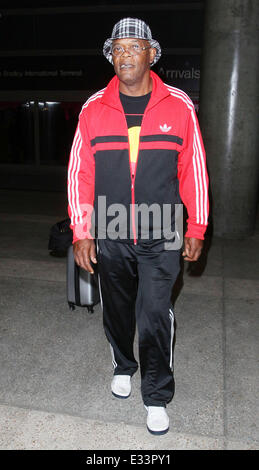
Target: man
{"points": [[137, 144]]}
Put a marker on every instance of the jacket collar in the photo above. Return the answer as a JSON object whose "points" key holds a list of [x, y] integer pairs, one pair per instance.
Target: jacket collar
{"points": [[111, 94]]}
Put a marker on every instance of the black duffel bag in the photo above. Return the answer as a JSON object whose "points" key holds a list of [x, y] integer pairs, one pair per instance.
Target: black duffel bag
{"points": [[60, 238]]}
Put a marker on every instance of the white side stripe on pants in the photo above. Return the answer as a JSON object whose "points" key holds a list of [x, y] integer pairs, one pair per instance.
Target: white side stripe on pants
{"points": [[114, 363], [171, 316], [99, 282]]}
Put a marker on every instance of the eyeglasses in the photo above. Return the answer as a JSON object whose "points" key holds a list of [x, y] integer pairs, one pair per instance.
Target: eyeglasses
{"points": [[134, 49]]}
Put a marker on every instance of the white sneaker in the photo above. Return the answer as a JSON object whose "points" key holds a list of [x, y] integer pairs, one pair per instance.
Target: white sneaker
{"points": [[121, 386], [157, 420]]}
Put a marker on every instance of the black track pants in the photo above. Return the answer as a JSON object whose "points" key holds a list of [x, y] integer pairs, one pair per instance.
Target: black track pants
{"points": [[136, 285]]}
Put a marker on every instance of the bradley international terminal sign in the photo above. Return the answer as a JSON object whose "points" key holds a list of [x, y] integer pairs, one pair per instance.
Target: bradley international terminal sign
{"points": [[40, 73]]}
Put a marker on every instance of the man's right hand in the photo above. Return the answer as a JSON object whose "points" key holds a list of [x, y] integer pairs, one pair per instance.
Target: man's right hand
{"points": [[84, 252]]}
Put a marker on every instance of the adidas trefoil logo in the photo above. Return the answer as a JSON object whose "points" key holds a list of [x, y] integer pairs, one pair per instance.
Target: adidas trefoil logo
{"points": [[164, 128]]}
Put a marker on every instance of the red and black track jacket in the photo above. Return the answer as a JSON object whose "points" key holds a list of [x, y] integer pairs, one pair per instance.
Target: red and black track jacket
{"points": [[171, 163]]}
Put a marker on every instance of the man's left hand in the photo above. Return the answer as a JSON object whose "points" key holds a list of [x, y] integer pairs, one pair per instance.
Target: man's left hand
{"points": [[192, 248]]}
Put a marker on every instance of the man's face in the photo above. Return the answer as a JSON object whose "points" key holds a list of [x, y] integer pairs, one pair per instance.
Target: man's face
{"points": [[129, 68]]}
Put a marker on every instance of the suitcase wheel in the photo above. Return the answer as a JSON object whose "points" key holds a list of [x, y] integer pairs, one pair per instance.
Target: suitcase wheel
{"points": [[90, 309], [71, 306]]}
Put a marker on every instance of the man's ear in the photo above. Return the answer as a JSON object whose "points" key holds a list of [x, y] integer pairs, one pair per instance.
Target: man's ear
{"points": [[152, 55]]}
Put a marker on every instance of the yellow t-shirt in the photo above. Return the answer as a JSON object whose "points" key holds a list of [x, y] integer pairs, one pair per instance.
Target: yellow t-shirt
{"points": [[134, 145]]}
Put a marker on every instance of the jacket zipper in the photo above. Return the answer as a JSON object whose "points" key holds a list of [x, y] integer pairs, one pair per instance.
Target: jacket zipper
{"points": [[133, 181], [133, 186], [133, 197], [133, 210]]}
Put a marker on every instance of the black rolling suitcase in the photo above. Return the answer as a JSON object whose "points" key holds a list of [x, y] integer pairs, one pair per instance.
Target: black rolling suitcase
{"points": [[82, 287]]}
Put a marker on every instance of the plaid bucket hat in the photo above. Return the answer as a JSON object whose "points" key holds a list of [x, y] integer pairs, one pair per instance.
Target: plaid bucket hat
{"points": [[131, 28]]}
